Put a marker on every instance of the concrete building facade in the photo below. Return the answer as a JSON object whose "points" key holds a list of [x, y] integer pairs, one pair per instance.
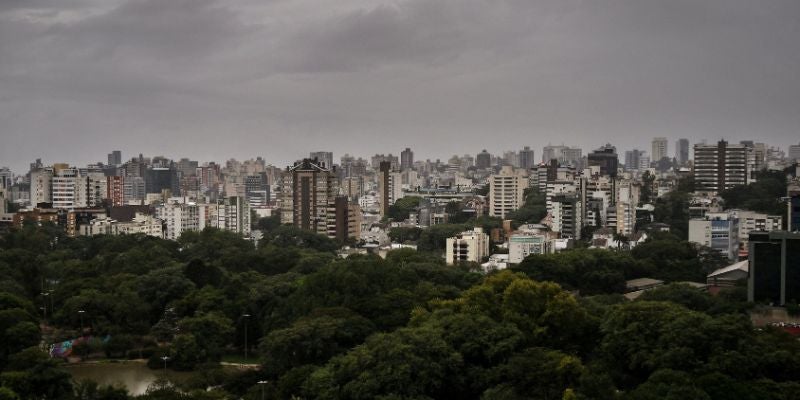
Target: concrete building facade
{"points": [[507, 191], [469, 246]]}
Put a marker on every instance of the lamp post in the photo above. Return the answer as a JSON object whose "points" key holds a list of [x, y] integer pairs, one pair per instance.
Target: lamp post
{"points": [[165, 359], [52, 307], [81, 312], [262, 383], [45, 295], [246, 318]]}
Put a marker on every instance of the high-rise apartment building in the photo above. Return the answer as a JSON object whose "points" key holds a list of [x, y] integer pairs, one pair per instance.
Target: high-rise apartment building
{"points": [[377, 159], [181, 217], [506, 191], [682, 151], [115, 190], [133, 189], [566, 215], [406, 159], [256, 190], [525, 158], [551, 153], [483, 160], [233, 214], [72, 188], [390, 187], [344, 219], [659, 149], [159, 179], [633, 159], [720, 166], [511, 158], [307, 189], [564, 154], [41, 183], [606, 159], [115, 158], [572, 156], [324, 158]]}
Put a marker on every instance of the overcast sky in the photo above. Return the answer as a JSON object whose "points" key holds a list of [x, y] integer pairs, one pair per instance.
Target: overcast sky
{"points": [[277, 78]]}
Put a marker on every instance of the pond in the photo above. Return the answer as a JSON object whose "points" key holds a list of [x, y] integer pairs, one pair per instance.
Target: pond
{"points": [[134, 376]]}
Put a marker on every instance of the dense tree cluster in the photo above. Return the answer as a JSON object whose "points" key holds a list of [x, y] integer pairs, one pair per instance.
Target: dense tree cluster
{"points": [[404, 327], [598, 271], [532, 212], [764, 195]]}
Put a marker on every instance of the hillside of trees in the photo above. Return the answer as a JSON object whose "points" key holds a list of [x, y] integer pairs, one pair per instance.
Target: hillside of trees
{"points": [[404, 327]]}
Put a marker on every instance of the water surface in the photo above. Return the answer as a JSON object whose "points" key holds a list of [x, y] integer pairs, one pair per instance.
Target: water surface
{"points": [[134, 376]]}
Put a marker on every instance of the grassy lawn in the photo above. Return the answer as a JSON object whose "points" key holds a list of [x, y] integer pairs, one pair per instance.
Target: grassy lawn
{"points": [[239, 359]]}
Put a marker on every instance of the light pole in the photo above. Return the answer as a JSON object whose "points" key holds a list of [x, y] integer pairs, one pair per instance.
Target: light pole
{"points": [[80, 312], [45, 295], [52, 307], [246, 318], [165, 359], [262, 383]]}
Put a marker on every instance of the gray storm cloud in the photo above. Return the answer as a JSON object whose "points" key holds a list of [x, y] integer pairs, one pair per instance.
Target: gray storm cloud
{"points": [[216, 79]]}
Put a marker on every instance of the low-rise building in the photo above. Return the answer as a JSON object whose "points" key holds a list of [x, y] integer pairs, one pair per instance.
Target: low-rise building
{"points": [[521, 245], [719, 231], [140, 224]]}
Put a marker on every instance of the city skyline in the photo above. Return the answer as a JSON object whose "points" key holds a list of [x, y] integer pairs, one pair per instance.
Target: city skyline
{"points": [[221, 159], [212, 80]]}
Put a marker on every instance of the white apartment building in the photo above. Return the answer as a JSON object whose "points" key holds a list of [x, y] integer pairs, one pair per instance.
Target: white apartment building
{"points": [[181, 217], [507, 191], [521, 245], [751, 221], [68, 189], [41, 182], [719, 231], [467, 246], [140, 224]]}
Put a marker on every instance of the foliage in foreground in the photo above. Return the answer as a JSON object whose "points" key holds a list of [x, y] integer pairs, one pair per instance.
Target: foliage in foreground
{"points": [[363, 328]]}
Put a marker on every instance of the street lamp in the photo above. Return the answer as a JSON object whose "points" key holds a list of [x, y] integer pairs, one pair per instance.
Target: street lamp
{"points": [[81, 312], [44, 303], [262, 383], [246, 318], [165, 359]]}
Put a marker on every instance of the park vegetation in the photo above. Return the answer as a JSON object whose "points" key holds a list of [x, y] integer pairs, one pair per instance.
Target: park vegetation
{"points": [[404, 327]]}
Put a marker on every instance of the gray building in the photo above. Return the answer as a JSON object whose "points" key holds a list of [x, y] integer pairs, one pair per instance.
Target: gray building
{"points": [[324, 158], [526, 159], [633, 159], [682, 151], [406, 159], [115, 158]]}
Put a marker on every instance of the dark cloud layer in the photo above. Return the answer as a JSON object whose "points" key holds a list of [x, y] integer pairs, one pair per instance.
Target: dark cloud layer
{"points": [[212, 79]]}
